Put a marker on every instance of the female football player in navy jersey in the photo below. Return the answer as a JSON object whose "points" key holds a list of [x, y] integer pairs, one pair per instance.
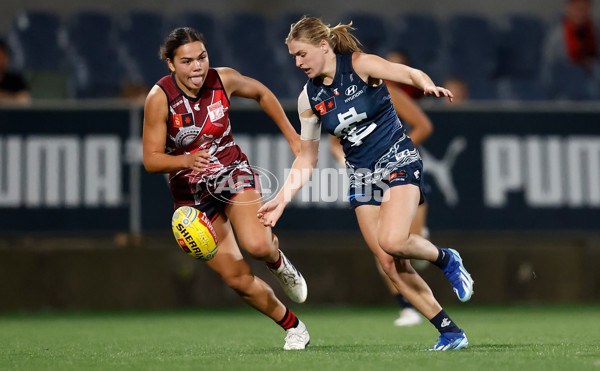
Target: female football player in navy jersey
{"points": [[420, 129], [187, 134], [346, 94]]}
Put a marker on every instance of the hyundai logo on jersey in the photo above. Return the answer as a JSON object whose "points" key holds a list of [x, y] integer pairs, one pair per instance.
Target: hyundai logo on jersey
{"points": [[351, 90]]}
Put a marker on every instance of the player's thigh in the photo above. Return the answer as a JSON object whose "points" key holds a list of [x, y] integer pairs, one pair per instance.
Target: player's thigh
{"points": [[368, 222], [367, 216], [252, 235], [397, 212], [229, 261]]}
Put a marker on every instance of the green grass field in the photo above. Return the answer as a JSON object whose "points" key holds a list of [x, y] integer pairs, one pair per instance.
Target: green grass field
{"points": [[501, 338]]}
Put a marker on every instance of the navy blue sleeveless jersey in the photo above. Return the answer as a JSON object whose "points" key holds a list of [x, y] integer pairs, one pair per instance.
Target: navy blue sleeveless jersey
{"points": [[362, 116], [378, 152]]}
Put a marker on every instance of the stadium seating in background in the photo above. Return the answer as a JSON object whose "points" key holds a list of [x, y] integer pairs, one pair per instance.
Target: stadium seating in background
{"points": [[521, 38], [282, 26], [471, 52], [521, 42], [481, 88], [521, 89], [141, 34], [36, 41], [293, 76], [210, 28], [250, 40], [371, 30], [419, 37], [567, 81], [472, 47], [99, 53], [92, 45]]}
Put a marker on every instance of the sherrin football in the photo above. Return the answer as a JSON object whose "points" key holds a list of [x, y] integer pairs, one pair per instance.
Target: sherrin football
{"points": [[194, 233]]}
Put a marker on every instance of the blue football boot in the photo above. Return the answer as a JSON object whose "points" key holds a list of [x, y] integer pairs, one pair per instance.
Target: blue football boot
{"points": [[451, 341], [461, 280]]}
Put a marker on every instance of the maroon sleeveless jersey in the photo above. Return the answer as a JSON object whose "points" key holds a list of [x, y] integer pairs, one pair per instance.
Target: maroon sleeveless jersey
{"points": [[201, 123]]}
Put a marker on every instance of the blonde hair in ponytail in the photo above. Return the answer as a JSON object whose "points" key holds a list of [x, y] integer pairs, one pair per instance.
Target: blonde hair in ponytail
{"points": [[313, 30]]}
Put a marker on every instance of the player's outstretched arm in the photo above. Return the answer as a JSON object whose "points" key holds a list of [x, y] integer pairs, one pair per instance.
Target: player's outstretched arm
{"points": [[239, 85], [300, 173], [370, 66]]}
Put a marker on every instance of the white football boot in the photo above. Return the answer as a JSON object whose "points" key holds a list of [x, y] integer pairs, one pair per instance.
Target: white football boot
{"points": [[297, 338], [291, 280], [408, 317]]}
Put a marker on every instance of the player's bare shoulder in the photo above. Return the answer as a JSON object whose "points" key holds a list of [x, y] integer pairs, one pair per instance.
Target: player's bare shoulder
{"points": [[366, 65], [156, 104], [226, 71], [230, 78], [156, 95]]}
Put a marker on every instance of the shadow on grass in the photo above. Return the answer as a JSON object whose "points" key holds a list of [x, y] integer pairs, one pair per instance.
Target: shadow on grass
{"points": [[363, 349], [394, 348]]}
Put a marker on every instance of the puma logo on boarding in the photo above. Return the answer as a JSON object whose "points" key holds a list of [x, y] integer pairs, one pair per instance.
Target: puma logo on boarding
{"points": [[441, 169]]}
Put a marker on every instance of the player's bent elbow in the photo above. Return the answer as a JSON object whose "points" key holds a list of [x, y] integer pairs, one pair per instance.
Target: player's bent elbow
{"points": [[429, 129], [151, 168]]}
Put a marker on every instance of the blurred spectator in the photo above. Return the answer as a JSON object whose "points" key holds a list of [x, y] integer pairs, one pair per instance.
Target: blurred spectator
{"points": [[459, 88], [575, 38], [13, 88], [398, 56]]}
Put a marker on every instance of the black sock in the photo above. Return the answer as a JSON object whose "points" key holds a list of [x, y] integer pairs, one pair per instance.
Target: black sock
{"points": [[442, 259], [444, 323], [403, 302], [289, 320]]}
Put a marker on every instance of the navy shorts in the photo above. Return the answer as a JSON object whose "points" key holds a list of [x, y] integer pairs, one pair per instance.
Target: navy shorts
{"points": [[371, 192]]}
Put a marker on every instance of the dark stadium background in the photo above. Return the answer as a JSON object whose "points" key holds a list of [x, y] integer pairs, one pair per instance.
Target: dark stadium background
{"points": [[540, 244]]}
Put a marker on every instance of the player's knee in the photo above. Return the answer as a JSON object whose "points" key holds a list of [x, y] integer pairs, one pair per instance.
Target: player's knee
{"points": [[393, 245], [239, 283], [260, 249], [387, 264]]}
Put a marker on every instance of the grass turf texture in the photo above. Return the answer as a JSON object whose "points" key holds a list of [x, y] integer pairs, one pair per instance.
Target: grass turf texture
{"points": [[501, 338]]}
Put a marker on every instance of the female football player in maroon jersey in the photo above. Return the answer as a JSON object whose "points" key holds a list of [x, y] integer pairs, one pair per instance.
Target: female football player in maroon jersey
{"points": [[187, 134]]}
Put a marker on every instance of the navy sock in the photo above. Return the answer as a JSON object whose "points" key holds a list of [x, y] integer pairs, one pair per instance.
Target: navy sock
{"points": [[443, 259], [402, 301], [289, 320], [444, 323]]}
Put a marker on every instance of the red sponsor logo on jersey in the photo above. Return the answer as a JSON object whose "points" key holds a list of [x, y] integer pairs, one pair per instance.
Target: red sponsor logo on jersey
{"points": [[401, 174], [186, 119], [177, 121], [326, 106]]}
